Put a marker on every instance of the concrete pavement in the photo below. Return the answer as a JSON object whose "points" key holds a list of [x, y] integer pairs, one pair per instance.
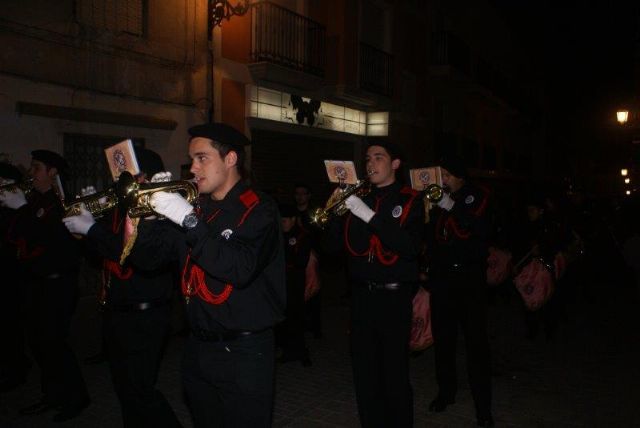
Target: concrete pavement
{"points": [[588, 377]]}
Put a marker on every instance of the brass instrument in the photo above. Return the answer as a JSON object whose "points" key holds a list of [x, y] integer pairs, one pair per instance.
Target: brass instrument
{"points": [[137, 196], [26, 186], [433, 193], [97, 203], [336, 206], [129, 194]]}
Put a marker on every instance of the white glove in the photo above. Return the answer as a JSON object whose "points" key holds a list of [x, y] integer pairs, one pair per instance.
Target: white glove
{"points": [[171, 205], [359, 209], [81, 223], [446, 203], [161, 176], [13, 200]]}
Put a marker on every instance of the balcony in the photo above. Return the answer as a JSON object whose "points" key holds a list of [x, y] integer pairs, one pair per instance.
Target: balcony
{"points": [[376, 70], [286, 48]]}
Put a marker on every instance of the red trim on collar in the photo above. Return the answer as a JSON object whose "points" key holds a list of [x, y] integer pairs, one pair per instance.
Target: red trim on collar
{"points": [[249, 198]]}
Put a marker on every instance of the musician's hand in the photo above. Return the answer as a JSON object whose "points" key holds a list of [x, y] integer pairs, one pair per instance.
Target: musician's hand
{"points": [[359, 209], [171, 205], [81, 223], [13, 200], [447, 202], [160, 177]]}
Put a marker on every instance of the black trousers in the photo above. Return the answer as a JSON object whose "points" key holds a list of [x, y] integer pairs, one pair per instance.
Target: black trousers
{"points": [[14, 363], [230, 383], [292, 328], [50, 307], [380, 329], [134, 343], [459, 300]]}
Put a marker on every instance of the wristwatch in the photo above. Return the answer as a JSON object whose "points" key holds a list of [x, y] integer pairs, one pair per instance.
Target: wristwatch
{"points": [[190, 221]]}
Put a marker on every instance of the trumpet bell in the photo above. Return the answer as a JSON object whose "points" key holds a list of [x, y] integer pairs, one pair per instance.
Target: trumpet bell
{"points": [[433, 193], [335, 206]]}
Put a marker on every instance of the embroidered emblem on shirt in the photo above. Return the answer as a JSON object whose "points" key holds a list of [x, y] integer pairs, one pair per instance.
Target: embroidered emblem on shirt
{"points": [[397, 211], [292, 241], [40, 212], [226, 233], [469, 199]]}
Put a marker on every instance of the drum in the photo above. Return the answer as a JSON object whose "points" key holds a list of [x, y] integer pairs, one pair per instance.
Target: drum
{"points": [[535, 283], [421, 336]]}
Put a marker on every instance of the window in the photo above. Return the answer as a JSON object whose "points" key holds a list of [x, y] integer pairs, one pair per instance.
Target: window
{"points": [[85, 156], [118, 16]]}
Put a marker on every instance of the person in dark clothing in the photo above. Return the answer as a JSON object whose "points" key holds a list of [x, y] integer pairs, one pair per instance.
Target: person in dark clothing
{"points": [[136, 306], [231, 253], [542, 237], [14, 363], [49, 255], [297, 244], [313, 307], [382, 238], [458, 250]]}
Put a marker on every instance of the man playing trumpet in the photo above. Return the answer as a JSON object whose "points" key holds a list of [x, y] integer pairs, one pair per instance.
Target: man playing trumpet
{"points": [[136, 305], [382, 238], [232, 265]]}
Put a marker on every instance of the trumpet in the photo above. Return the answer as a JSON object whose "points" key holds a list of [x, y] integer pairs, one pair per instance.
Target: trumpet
{"points": [[129, 194], [26, 186], [336, 206], [433, 193], [137, 196]]}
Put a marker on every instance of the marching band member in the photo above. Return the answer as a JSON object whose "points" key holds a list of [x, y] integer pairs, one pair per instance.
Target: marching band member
{"points": [[458, 250], [136, 305], [382, 238], [232, 266], [50, 256]]}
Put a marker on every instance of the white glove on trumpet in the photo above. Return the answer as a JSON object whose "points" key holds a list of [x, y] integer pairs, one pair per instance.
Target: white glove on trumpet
{"points": [[81, 223], [447, 202], [171, 205], [359, 209]]}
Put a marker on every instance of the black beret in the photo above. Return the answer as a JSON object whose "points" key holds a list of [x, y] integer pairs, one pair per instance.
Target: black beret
{"points": [[149, 162], [10, 172], [394, 150], [288, 210], [222, 133], [51, 159], [455, 165]]}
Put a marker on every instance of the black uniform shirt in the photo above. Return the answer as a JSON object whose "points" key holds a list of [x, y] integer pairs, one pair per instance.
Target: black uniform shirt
{"points": [[460, 236], [237, 245], [45, 246], [128, 284], [387, 248], [297, 244]]}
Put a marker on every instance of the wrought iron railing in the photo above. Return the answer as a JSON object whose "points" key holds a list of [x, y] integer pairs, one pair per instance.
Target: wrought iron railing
{"points": [[376, 70], [288, 39]]}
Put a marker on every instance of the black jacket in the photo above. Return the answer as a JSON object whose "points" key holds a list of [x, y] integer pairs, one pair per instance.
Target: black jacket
{"points": [[236, 249], [387, 248]]}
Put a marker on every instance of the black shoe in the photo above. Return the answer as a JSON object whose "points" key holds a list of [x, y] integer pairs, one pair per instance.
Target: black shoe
{"points": [[486, 422], [439, 404], [36, 408], [70, 412]]}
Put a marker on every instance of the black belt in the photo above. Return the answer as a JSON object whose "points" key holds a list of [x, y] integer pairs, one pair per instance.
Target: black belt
{"points": [[136, 307], [373, 285], [227, 336]]}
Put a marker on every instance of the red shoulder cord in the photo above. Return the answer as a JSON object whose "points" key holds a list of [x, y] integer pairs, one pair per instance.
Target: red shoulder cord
{"points": [[452, 225], [385, 257], [193, 277]]}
